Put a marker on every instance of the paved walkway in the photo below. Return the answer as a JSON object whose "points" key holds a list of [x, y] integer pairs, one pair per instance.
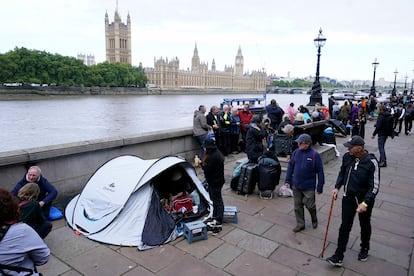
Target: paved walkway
{"points": [[262, 243]]}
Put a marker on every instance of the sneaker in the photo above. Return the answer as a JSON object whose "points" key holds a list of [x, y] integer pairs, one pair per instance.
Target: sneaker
{"points": [[213, 223], [335, 260], [363, 255], [382, 164], [216, 230]]}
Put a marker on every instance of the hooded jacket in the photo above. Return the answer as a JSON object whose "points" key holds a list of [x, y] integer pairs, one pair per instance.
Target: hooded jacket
{"points": [[199, 123], [384, 125], [360, 177]]}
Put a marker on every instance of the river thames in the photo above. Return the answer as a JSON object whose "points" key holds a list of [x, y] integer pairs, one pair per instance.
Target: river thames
{"points": [[35, 121]]}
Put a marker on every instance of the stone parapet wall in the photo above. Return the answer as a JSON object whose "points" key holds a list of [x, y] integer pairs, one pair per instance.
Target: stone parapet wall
{"points": [[69, 166]]}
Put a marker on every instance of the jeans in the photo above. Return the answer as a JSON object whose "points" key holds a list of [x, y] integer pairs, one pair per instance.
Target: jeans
{"points": [[200, 139], [349, 206], [381, 148]]}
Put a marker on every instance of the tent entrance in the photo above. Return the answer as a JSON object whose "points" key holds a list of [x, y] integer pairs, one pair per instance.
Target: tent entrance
{"points": [[174, 182]]}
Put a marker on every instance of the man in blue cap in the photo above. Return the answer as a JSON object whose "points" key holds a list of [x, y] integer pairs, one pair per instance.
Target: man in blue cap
{"points": [[304, 165]]}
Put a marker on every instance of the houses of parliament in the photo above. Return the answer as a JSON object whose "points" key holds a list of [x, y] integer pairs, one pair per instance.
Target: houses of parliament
{"points": [[166, 74]]}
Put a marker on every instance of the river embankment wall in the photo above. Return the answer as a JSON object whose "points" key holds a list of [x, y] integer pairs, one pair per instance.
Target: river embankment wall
{"points": [[83, 90], [69, 166]]}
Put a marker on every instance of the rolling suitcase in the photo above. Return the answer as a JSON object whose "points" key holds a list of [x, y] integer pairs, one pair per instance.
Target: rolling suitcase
{"points": [[269, 171], [247, 179]]}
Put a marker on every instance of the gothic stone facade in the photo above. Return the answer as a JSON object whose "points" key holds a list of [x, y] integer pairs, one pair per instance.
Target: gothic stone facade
{"points": [[118, 39], [167, 75]]}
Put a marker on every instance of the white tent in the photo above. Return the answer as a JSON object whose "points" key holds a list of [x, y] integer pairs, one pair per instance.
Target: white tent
{"points": [[120, 203]]}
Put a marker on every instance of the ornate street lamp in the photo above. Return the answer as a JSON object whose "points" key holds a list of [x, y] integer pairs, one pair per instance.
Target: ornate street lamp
{"points": [[394, 91], [405, 86], [316, 91], [374, 65]]}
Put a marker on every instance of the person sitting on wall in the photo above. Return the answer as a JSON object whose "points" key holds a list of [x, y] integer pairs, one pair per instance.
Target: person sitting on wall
{"points": [[47, 191], [30, 211]]}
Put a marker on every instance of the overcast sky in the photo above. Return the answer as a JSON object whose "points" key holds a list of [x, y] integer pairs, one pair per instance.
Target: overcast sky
{"points": [[273, 34]]}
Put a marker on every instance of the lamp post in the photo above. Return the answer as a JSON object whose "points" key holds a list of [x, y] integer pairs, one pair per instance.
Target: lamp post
{"points": [[394, 91], [316, 91], [374, 65], [405, 86]]}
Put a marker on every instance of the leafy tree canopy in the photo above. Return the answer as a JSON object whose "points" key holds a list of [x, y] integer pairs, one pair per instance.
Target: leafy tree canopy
{"points": [[32, 66]]}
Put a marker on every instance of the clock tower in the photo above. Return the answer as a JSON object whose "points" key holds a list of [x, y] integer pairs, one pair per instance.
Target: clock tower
{"points": [[239, 63]]}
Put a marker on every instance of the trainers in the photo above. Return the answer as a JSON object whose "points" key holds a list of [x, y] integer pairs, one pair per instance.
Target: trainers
{"points": [[216, 230], [382, 164], [213, 223], [335, 260], [363, 255]]}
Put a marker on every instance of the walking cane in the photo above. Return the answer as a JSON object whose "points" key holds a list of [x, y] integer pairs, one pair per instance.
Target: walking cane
{"points": [[327, 225]]}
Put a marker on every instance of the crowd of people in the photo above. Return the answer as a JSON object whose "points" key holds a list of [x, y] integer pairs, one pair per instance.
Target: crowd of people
{"points": [[359, 172]]}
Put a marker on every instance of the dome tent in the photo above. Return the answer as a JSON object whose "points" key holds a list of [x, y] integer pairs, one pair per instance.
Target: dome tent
{"points": [[120, 203]]}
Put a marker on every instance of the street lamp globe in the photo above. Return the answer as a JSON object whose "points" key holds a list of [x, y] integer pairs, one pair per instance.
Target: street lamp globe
{"points": [[320, 40]]}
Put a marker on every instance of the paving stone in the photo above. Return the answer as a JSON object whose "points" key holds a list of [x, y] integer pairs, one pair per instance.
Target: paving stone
{"points": [[250, 242], [387, 226], [64, 244], [53, 267], [277, 217], [403, 244], [252, 224], [390, 254], [191, 266], [348, 272], [373, 266], [245, 205], [153, 259], [200, 248], [139, 270], [300, 241], [56, 224], [223, 255], [101, 261], [398, 209], [310, 265], [249, 264], [69, 273]]}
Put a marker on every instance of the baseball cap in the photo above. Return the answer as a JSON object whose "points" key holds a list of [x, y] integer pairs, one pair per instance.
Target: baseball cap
{"points": [[354, 141], [304, 138]]}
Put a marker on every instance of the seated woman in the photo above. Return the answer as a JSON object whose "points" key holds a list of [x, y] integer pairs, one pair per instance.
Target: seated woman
{"points": [[21, 246], [30, 210]]}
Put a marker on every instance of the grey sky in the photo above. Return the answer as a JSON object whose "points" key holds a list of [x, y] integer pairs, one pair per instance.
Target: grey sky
{"points": [[277, 35]]}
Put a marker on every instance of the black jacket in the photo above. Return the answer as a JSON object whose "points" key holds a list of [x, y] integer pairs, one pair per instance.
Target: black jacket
{"points": [[214, 168], [360, 177], [384, 125], [254, 142]]}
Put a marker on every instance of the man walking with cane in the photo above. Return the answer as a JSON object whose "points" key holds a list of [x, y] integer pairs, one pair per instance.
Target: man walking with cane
{"points": [[359, 175]]}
